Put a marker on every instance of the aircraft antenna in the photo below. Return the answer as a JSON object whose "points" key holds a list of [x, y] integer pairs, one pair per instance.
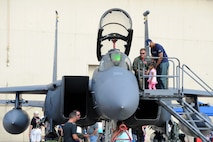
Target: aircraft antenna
{"points": [[55, 49]]}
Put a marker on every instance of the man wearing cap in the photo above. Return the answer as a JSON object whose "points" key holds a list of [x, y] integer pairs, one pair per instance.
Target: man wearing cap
{"points": [[35, 128], [162, 63]]}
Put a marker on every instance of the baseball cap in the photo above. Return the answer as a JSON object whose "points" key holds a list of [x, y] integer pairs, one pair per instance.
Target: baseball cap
{"points": [[148, 41]]}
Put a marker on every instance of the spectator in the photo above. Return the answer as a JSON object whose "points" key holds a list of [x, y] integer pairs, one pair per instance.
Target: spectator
{"points": [[60, 132], [35, 128], [140, 67], [143, 129], [70, 128], [93, 132], [162, 63]]}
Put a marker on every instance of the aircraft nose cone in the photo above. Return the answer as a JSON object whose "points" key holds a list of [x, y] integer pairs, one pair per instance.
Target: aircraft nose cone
{"points": [[116, 94]]}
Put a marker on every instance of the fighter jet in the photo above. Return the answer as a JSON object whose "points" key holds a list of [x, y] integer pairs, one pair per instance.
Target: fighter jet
{"points": [[111, 94]]}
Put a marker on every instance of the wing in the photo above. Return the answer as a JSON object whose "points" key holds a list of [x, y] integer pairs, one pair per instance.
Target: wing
{"points": [[28, 103], [36, 89]]}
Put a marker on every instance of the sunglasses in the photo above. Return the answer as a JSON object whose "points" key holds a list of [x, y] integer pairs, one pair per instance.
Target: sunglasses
{"points": [[142, 53]]}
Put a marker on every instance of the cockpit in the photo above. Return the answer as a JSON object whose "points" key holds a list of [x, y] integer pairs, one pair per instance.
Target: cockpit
{"points": [[115, 58], [115, 31]]}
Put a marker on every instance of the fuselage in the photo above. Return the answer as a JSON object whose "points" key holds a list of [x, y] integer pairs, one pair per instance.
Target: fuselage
{"points": [[114, 87]]}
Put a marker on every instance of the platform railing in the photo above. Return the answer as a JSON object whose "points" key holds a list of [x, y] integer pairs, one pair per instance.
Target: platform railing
{"points": [[174, 64]]}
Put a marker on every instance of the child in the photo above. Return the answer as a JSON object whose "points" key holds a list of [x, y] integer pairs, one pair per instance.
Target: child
{"points": [[152, 77]]}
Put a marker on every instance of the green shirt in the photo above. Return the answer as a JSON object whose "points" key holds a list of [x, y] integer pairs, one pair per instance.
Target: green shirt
{"points": [[141, 65]]}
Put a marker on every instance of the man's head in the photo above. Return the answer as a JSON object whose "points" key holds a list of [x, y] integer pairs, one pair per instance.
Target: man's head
{"points": [[150, 43], [75, 115], [36, 113], [143, 52]]}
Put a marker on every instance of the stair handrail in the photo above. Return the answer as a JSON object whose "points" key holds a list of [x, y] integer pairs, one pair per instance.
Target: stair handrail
{"points": [[189, 107], [184, 121], [206, 87]]}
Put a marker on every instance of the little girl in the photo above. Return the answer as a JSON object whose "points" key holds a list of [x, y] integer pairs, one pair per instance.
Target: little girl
{"points": [[152, 77]]}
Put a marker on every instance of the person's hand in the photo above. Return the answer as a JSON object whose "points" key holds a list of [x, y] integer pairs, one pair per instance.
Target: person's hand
{"points": [[86, 135]]}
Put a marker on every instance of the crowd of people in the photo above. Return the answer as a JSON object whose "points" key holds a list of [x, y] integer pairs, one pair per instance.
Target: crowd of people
{"points": [[90, 133], [67, 132]]}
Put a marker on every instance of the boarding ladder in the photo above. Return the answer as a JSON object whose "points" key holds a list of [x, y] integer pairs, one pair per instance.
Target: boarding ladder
{"points": [[195, 121], [174, 97]]}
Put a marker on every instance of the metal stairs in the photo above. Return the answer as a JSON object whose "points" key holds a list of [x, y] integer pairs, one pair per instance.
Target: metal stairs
{"points": [[175, 97], [194, 121], [190, 118]]}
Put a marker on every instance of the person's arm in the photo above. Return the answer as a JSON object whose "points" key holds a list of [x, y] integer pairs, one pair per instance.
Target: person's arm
{"points": [[95, 131], [62, 133], [30, 129], [74, 133], [135, 65], [114, 134], [152, 75], [160, 55], [76, 138], [144, 130]]}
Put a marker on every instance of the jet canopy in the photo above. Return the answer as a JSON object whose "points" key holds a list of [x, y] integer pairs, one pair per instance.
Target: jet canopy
{"points": [[115, 58], [115, 27]]}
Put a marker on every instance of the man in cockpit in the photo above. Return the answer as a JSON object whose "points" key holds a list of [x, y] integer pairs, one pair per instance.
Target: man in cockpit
{"points": [[140, 67]]}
